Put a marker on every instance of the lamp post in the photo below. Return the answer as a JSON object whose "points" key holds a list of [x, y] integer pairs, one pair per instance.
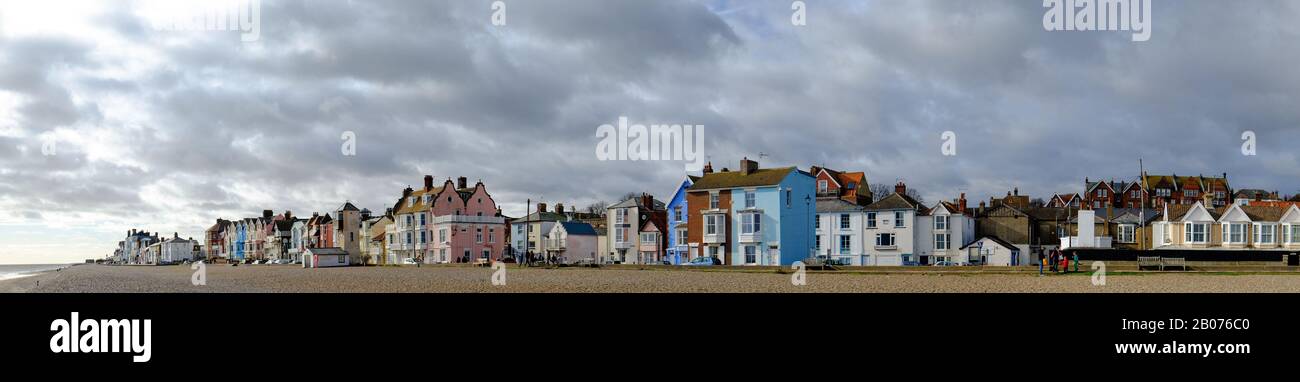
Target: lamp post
{"points": [[807, 203]]}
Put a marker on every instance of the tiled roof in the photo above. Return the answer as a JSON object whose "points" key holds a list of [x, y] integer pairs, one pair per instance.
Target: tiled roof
{"points": [[833, 204], [733, 179], [895, 201], [578, 228]]}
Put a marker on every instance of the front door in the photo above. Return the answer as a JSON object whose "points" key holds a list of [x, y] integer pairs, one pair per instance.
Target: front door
{"points": [[1293, 259]]}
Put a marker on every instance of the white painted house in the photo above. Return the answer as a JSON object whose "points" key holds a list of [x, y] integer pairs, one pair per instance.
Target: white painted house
{"points": [[941, 234], [839, 231], [324, 257], [176, 250], [991, 250], [890, 229]]}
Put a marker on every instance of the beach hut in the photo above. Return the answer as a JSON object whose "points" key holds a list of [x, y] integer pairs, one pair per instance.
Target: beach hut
{"points": [[325, 257]]}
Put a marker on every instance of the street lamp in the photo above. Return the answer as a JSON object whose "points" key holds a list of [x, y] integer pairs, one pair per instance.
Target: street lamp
{"points": [[807, 203]]}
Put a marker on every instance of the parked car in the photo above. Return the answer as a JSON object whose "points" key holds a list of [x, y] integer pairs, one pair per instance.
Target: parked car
{"points": [[409, 261], [944, 264], [704, 261]]}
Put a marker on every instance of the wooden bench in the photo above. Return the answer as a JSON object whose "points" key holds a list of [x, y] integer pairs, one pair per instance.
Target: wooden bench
{"points": [[1152, 261], [1179, 262]]}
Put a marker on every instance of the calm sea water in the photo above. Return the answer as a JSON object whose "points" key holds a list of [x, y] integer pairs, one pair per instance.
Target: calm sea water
{"points": [[13, 271]]}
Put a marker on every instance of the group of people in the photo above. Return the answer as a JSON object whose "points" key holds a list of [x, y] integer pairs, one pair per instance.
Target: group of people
{"points": [[1057, 261]]}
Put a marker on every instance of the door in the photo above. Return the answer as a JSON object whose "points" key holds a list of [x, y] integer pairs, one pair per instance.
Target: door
{"points": [[1293, 259]]}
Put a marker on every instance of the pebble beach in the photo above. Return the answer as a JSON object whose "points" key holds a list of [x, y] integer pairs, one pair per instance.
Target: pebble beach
{"points": [[463, 279]]}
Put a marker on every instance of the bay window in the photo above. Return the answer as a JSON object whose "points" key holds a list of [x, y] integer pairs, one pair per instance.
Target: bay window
{"points": [[750, 223], [1234, 233], [710, 224], [1196, 232]]}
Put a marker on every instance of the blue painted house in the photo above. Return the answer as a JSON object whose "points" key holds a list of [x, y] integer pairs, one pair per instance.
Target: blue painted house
{"points": [[241, 238], [678, 250], [752, 216]]}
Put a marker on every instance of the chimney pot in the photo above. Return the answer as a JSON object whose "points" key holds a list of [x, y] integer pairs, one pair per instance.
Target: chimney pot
{"points": [[461, 182], [900, 188], [708, 167], [559, 207], [541, 207]]}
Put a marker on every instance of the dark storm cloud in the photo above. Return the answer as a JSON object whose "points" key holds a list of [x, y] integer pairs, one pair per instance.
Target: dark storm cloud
{"points": [[434, 88]]}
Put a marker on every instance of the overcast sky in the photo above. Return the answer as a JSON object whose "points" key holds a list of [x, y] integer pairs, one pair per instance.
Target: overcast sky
{"points": [[167, 130]]}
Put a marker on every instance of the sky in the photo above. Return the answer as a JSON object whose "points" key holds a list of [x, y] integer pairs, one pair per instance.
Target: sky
{"points": [[112, 118]]}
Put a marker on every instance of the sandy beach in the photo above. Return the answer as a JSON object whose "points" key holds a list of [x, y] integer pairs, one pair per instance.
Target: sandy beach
{"points": [[460, 279]]}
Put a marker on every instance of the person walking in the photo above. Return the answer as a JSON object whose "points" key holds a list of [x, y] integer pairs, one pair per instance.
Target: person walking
{"points": [[1040, 263], [1076, 261]]}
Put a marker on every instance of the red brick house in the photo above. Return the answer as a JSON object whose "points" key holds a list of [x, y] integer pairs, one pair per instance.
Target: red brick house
{"points": [[1185, 190], [848, 186]]}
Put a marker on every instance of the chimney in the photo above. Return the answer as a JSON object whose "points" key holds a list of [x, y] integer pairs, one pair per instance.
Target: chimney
{"points": [[559, 207], [748, 166], [131, 232], [541, 207], [708, 168], [647, 201], [176, 235], [428, 182], [460, 183], [405, 193], [961, 203], [900, 188], [288, 215], [1016, 191], [268, 214]]}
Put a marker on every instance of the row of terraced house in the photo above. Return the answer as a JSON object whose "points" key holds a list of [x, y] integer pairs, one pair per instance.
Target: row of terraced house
{"points": [[759, 216]]}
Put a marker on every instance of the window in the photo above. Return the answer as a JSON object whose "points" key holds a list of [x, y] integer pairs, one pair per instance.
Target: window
{"points": [[422, 220], [648, 238], [620, 216], [818, 242], [1101, 193], [1169, 234], [1134, 194], [871, 220], [1234, 233], [1293, 233], [1126, 233], [885, 240], [845, 242], [1189, 193], [817, 223], [677, 213], [941, 223], [478, 235], [1196, 232], [487, 253], [711, 224], [750, 223], [408, 238], [492, 235], [422, 237], [1264, 233], [844, 221], [619, 235], [898, 218], [749, 199], [713, 201], [681, 237], [751, 254], [442, 235], [941, 242], [821, 185]]}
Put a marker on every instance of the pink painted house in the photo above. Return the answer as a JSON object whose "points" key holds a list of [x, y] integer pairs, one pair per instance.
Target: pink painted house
{"points": [[453, 223]]}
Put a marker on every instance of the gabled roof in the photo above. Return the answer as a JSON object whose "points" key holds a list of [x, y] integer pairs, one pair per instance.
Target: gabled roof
{"points": [[1252, 193], [637, 202], [347, 206], [995, 239], [327, 251], [734, 179], [834, 204], [578, 228], [895, 201]]}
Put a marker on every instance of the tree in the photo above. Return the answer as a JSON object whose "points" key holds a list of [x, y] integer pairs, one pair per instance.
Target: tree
{"points": [[916, 196], [597, 207], [880, 191]]}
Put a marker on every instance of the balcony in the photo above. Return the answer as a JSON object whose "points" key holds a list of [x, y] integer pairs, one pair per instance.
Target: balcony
{"points": [[751, 237], [622, 244]]}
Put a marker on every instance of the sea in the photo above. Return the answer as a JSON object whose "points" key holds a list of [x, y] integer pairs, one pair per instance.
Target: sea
{"points": [[13, 271]]}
